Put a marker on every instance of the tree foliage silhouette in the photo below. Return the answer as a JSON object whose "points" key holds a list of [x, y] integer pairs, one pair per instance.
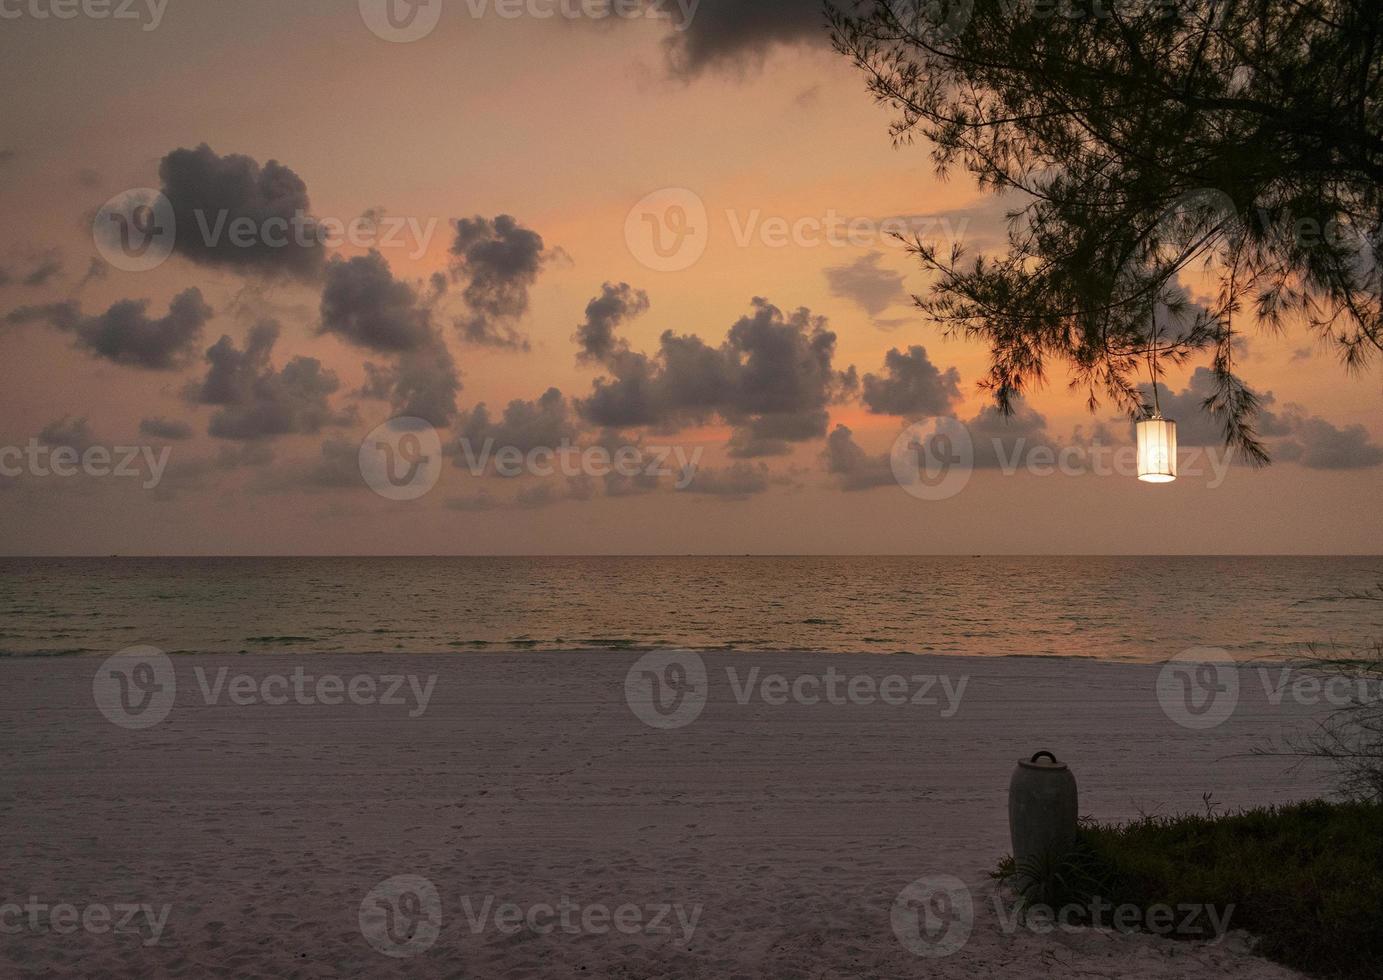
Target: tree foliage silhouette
{"points": [[1171, 169]]}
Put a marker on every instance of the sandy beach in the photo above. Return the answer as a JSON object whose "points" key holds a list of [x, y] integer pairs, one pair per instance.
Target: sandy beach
{"points": [[251, 830]]}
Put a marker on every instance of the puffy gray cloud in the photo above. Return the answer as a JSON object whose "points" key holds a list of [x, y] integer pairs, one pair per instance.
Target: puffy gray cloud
{"points": [[739, 481], [911, 386], [364, 304], [126, 334], [615, 306], [67, 431], [1319, 445], [211, 195], [259, 402], [525, 425], [735, 33], [867, 284], [499, 261], [772, 379], [161, 428], [855, 468], [1007, 440]]}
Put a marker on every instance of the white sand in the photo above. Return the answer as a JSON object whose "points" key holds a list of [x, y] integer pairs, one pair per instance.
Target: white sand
{"points": [[529, 779]]}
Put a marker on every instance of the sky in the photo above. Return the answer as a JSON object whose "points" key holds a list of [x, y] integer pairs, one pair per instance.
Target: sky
{"points": [[656, 240]]}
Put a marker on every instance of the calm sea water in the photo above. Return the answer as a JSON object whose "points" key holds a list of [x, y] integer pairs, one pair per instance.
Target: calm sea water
{"points": [[1113, 608]]}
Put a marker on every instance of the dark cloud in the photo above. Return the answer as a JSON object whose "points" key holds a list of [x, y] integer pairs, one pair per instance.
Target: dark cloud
{"points": [[161, 428], [259, 402], [1319, 445], [86, 177], [911, 386], [43, 268], [1007, 440], [126, 334], [738, 33], [499, 261], [1195, 425], [210, 194], [738, 481], [772, 379], [364, 304], [855, 468], [525, 425], [67, 431], [867, 284], [615, 306]]}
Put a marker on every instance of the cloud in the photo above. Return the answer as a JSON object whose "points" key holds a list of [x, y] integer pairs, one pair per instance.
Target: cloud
{"points": [[43, 268], [772, 379], [1195, 425], [738, 481], [211, 194], [125, 334], [259, 402], [1319, 445], [525, 425], [7, 156], [161, 428], [67, 431], [615, 306], [363, 304], [855, 468], [86, 177], [1007, 440], [738, 34], [911, 386], [867, 284], [499, 261]]}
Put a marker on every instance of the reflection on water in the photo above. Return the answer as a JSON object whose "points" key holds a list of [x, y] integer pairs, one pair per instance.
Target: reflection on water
{"points": [[1117, 608]]}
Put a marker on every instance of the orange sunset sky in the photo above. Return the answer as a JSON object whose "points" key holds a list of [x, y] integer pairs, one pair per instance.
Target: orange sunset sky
{"points": [[565, 125]]}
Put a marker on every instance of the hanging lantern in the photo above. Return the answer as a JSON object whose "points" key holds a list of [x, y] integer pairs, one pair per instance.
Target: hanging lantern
{"points": [[1157, 450]]}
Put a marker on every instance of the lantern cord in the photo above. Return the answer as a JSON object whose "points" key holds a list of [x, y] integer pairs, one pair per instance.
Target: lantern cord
{"points": [[1152, 367]]}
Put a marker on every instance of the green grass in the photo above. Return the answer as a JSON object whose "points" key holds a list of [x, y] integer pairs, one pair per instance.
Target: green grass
{"points": [[1306, 880]]}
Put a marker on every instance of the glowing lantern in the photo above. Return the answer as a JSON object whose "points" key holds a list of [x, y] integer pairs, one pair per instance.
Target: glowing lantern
{"points": [[1157, 450]]}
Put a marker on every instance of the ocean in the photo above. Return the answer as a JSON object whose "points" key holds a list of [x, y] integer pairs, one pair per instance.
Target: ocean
{"points": [[1139, 609], [1096, 607]]}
